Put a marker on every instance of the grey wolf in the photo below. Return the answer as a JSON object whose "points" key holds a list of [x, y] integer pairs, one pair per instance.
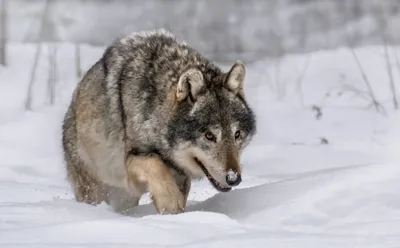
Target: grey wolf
{"points": [[151, 115]]}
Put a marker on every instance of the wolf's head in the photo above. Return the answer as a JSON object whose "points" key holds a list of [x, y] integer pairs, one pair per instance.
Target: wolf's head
{"points": [[212, 124]]}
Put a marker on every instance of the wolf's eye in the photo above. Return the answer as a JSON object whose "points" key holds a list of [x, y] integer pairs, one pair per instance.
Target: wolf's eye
{"points": [[210, 136], [238, 134]]}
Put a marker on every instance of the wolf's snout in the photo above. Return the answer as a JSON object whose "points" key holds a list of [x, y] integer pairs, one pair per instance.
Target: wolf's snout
{"points": [[233, 178]]}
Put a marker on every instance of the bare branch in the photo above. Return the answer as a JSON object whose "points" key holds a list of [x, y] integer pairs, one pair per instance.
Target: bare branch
{"points": [[359, 92], [375, 103], [300, 79], [52, 77], [28, 102], [390, 74], [397, 60]]}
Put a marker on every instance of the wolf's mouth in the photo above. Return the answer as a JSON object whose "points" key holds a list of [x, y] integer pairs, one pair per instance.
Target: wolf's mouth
{"points": [[214, 182]]}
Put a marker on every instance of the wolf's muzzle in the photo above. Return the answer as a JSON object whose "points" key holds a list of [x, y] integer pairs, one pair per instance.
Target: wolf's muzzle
{"points": [[233, 177]]}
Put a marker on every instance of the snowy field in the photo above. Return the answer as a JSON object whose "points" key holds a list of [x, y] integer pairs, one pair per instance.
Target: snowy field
{"points": [[318, 177]]}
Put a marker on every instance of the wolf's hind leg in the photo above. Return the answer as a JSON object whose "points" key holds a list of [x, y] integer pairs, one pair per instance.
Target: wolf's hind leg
{"points": [[154, 174], [86, 187]]}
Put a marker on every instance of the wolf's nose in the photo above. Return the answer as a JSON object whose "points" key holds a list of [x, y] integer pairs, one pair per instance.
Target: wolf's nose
{"points": [[233, 178]]}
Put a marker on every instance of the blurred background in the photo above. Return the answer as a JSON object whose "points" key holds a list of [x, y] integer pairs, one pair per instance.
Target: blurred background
{"points": [[224, 29], [57, 40]]}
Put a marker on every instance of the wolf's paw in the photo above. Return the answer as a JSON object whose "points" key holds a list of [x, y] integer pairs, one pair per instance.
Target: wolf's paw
{"points": [[169, 201]]}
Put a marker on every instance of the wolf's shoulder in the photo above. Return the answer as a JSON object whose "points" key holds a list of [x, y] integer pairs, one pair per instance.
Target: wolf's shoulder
{"points": [[149, 40], [158, 45]]}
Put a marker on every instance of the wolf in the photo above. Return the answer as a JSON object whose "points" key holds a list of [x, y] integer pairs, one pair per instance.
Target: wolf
{"points": [[152, 115]]}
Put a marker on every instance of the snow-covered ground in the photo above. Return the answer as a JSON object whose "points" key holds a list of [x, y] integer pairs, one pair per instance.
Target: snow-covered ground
{"points": [[327, 179]]}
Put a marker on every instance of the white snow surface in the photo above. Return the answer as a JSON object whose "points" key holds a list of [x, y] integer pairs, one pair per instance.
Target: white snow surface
{"points": [[307, 182]]}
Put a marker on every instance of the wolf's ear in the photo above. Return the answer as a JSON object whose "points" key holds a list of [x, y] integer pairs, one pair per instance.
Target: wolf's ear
{"points": [[234, 79], [191, 83]]}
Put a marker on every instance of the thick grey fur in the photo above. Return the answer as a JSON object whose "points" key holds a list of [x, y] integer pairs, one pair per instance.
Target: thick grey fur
{"points": [[126, 105]]}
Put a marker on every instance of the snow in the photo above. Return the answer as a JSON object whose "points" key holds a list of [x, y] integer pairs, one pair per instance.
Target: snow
{"points": [[321, 177]]}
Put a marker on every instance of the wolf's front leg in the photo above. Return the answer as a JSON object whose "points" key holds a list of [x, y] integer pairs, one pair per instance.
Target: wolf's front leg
{"points": [[184, 184], [152, 172]]}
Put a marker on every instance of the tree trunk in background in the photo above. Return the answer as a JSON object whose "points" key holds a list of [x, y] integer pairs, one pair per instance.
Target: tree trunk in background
{"points": [[78, 61], [52, 77], [28, 103], [3, 33]]}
